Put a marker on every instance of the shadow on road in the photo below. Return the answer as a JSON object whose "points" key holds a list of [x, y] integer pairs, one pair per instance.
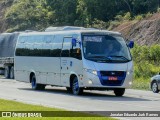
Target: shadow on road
{"points": [[104, 95]]}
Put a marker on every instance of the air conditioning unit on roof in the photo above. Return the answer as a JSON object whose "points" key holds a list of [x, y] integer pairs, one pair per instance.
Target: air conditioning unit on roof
{"points": [[65, 28]]}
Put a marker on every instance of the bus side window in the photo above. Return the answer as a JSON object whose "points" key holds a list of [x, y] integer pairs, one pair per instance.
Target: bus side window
{"points": [[76, 52], [47, 46], [22, 39], [56, 46], [66, 47]]}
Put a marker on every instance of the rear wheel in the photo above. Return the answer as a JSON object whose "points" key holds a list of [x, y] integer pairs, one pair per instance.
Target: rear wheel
{"points": [[6, 72], [36, 86], [76, 90], [119, 91], [155, 87]]}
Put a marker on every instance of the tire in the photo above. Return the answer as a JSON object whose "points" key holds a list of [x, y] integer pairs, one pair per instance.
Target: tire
{"points": [[36, 86], [119, 91], [12, 73], [6, 72], [154, 87], [76, 90]]}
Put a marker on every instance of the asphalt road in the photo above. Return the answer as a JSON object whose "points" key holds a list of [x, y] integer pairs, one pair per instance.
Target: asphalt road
{"points": [[133, 100]]}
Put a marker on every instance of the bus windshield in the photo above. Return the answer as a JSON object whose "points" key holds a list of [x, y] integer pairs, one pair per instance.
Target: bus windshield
{"points": [[105, 48]]}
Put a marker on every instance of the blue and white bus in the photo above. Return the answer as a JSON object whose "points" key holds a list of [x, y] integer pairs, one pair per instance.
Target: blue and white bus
{"points": [[75, 59]]}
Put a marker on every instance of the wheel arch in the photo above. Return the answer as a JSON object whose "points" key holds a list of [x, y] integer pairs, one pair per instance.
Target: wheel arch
{"points": [[72, 76]]}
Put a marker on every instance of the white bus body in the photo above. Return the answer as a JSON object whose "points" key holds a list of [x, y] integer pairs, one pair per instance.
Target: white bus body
{"points": [[73, 59]]}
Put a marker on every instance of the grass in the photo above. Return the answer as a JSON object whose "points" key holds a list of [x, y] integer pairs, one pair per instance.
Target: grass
{"points": [[6, 105], [141, 83]]}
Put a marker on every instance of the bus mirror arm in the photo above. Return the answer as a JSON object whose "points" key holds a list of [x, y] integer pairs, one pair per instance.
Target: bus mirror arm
{"points": [[74, 42]]}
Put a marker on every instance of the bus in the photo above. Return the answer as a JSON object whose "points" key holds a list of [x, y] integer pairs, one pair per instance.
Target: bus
{"points": [[84, 59]]}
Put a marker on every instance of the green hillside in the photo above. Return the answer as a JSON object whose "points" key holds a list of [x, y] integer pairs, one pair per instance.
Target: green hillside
{"points": [[39, 14]]}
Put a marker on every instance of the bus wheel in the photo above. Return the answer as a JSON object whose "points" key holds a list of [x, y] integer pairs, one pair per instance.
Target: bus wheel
{"points": [[119, 91], [12, 73], [36, 86], [76, 90]]}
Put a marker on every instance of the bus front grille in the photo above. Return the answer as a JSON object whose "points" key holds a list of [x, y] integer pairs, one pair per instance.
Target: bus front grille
{"points": [[112, 78]]}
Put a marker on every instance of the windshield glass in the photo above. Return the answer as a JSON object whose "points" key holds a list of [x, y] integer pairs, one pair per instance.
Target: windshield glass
{"points": [[105, 48]]}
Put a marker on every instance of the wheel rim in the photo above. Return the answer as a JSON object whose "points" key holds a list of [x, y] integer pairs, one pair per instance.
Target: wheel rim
{"points": [[154, 87], [75, 87], [33, 83]]}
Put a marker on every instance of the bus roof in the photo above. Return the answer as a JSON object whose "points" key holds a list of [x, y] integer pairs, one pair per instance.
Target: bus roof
{"points": [[83, 31]]}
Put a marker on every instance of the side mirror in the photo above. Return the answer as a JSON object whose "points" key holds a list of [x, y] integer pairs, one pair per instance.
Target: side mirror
{"points": [[131, 44], [74, 41]]}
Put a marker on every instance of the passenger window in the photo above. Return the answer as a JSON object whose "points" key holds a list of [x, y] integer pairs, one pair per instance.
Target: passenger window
{"points": [[37, 49], [57, 46], [66, 47], [22, 39], [31, 39], [48, 39], [39, 39]]}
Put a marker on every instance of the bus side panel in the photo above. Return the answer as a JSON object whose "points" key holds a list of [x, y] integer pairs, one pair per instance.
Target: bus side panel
{"points": [[53, 63], [21, 71], [53, 69]]}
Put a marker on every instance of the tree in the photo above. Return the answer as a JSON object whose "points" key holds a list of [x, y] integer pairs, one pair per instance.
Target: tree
{"points": [[28, 14], [65, 11]]}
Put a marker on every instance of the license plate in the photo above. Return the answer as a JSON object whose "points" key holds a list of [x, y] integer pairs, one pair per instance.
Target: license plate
{"points": [[113, 78]]}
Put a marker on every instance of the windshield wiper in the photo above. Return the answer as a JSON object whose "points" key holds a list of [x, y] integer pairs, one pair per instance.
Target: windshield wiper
{"points": [[120, 57], [100, 58], [103, 57]]}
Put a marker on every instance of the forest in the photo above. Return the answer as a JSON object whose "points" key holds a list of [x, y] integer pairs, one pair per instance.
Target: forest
{"points": [[39, 14]]}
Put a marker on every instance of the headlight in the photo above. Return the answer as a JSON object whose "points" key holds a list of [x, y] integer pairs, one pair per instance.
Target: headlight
{"points": [[91, 71]]}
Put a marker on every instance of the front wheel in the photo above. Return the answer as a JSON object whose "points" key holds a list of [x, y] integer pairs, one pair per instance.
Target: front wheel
{"points": [[36, 86], [76, 90], [155, 87], [119, 91]]}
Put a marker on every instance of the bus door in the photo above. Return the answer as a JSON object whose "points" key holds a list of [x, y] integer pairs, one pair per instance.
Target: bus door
{"points": [[65, 61]]}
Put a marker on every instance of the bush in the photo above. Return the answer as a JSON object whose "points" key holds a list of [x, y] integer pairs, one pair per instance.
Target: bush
{"points": [[127, 16], [146, 64], [148, 15], [119, 18], [99, 24], [146, 53], [138, 17], [113, 24]]}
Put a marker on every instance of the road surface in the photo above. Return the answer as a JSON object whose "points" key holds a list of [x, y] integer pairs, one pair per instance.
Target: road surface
{"points": [[133, 100]]}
